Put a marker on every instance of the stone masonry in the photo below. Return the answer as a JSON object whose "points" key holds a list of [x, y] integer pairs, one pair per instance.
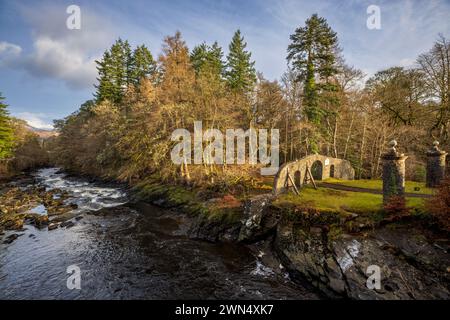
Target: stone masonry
{"points": [[393, 172], [342, 169], [435, 165]]}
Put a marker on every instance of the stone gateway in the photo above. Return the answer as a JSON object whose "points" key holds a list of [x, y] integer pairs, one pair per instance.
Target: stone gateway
{"points": [[393, 172], [435, 165]]}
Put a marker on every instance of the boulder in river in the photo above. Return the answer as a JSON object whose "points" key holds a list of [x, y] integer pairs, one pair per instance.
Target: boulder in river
{"points": [[52, 226]]}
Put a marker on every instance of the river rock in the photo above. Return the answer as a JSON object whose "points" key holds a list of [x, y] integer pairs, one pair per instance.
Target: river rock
{"points": [[258, 220], [67, 224], [39, 221], [9, 239], [14, 223], [410, 269], [213, 230], [52, 226]]}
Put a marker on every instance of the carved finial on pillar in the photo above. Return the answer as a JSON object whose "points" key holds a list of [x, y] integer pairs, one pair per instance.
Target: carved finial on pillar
{"points": [[393, 144]]}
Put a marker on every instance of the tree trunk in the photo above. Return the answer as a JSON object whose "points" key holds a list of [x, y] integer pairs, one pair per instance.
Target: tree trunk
{"points": [[349, 134], [361, 150]]}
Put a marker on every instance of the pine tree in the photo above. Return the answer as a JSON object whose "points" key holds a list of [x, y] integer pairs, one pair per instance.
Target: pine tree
{"points": [[105, 88], [199, 57], [143, 65], [313, 53], [114, 71], [240, 74], [119, 68], [6, 131], [206, 58], [216, 59]]}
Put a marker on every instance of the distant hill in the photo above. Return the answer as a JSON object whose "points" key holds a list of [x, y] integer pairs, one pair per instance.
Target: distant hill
{"points": [[42, 133]]}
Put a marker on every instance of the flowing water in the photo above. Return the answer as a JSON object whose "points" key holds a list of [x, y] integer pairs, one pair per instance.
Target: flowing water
{"points": [[130, 251]]}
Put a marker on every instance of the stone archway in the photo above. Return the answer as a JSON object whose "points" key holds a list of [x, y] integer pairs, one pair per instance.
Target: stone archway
{"points": [[317, 170], [298, 178], [339, 168], [332, 171]]}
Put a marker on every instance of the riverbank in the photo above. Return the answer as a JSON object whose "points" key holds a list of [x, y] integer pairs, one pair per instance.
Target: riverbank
{"points": [[133, 250], [326, 249], [330, 249]]}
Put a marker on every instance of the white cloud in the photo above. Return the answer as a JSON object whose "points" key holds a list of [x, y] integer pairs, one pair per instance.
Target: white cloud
{"points": [[408, 29], [9, 48], [60, 53], [35, 120], [54, 58], [8, 52]]}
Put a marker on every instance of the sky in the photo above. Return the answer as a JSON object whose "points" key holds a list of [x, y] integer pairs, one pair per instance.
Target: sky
{"points": [[47, 70]]}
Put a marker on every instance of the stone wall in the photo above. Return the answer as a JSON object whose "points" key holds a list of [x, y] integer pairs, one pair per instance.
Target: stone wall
{"points": [[342, 170]]}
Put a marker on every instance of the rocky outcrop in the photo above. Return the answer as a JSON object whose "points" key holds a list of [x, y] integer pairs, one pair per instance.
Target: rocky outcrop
{"points": [[311, 249], [410, 266], [258, 220], [213, 230]]}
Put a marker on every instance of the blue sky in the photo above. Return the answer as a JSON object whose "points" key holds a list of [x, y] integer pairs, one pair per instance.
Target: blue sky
{"points": [[47, 71]]}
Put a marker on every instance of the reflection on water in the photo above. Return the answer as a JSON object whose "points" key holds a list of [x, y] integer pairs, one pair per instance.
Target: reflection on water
{"points": [[130, 252], [39, 209]]}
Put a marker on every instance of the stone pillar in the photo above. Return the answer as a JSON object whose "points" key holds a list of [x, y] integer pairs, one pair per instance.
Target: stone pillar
{"points": [[393, 172], [435, 165]]}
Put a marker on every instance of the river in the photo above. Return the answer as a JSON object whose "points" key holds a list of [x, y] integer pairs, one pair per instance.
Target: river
{"points": [[131, 251]]}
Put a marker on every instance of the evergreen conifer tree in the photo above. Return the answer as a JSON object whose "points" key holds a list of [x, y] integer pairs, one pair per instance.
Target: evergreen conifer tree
{"points": [[6, 131], [240, 74], [313, 53], [143, 65]]}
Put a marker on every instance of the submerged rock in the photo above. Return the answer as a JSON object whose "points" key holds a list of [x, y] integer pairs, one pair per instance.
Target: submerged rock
{"points": [[9, 239], [67, 224]]}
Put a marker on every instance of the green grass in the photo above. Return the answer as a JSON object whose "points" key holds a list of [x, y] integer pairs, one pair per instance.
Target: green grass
{"points": [[186, 200], [330, 200], [378, 185]]}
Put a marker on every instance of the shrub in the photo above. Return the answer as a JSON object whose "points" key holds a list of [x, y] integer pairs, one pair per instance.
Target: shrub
{"points": [[396, 206], [439, 205]]}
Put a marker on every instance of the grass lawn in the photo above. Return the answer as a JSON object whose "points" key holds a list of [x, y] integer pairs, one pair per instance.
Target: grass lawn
{"points": [[377, 184], [331, 200]]}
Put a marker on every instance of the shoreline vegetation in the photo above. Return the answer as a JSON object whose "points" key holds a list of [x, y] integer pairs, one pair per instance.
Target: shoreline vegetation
{"points": [[326, 236], [260, 217]]}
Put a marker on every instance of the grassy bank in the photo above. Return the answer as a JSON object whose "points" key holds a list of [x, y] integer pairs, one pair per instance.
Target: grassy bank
{"points": [[410, 186], [196, 200], [190, 200], [325, 199]]}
